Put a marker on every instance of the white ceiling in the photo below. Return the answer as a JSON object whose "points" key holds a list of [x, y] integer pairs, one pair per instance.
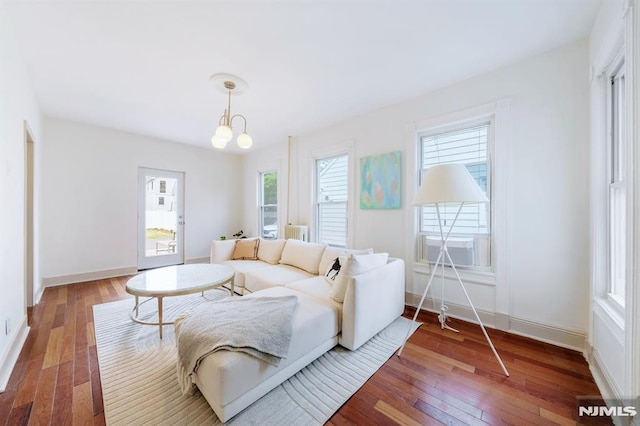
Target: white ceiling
{"points": [[144, 66]]}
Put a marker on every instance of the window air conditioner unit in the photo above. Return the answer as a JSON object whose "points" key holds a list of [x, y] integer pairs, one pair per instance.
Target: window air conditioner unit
{"points": [[461, 250]]}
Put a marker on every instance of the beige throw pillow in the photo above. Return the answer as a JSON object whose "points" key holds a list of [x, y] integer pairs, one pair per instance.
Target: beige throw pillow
{"points": [[351, 266], [246, 249]]}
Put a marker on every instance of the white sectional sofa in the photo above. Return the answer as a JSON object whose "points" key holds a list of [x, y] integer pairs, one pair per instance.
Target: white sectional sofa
{"points": [[348, 314]]}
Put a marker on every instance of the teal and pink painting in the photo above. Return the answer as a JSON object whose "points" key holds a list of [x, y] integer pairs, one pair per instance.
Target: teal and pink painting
{"points": [[380, 178]]}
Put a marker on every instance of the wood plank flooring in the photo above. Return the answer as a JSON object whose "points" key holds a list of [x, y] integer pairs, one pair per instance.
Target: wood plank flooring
{"points": [[441, 378]]}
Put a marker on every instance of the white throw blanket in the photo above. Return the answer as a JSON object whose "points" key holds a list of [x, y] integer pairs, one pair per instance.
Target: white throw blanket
{"points": [[259, 326]]}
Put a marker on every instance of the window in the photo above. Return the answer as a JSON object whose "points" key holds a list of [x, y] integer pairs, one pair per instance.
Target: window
{"points": [[163, 186], [616, 184], [332, 200], [470, 242], [161, 201], [269, 204]]}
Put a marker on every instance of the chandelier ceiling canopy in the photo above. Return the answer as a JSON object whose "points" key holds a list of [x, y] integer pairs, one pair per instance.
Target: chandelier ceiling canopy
{"points": [[224, 133]]}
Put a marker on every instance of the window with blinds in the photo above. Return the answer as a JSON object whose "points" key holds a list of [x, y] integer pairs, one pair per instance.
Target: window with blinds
{"points": [[331, 200], [469, 146], [269, 204]]}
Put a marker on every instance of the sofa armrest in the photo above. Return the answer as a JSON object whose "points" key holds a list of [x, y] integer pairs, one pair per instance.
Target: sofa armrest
{"points": [[373, 300], [221, 250]]}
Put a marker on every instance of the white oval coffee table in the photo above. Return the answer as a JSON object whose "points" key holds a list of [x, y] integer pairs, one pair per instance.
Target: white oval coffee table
{"points": [[176, 281]]}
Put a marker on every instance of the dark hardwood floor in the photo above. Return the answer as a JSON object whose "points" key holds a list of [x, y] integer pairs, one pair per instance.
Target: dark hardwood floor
{"points": [[442, 377]]}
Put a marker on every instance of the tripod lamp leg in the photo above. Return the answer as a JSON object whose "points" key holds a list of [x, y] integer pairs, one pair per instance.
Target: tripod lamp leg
{"points": [[433, 272], [486, 335]]}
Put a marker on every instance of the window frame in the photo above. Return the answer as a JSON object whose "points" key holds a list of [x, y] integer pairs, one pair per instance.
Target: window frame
{"points": [[318, 203], [262, 205], [616, 179], [489, 236]]}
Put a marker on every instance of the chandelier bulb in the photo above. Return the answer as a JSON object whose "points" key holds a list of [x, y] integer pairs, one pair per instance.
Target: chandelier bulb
{"points": [[224, 132], [244, 141], [218, 142]]}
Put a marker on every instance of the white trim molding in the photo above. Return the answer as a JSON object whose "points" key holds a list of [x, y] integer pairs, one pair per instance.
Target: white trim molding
{"points": [[197, 260], [100, 275], [633, 286], [88, 276], [10, 357], [501, 210]]}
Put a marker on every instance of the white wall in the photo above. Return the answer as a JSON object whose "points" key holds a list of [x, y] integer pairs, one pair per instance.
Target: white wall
{"points": [[89, 197], [547, 283], [18, 104]]}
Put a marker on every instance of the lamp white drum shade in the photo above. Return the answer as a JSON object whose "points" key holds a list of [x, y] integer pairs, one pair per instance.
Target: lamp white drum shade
{"points": [[449, 183]]}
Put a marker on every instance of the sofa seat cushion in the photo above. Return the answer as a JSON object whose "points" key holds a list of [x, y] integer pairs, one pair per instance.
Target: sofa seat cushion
{"points": [[225, 375], [319, 288], [273, 276], [241, 267]]}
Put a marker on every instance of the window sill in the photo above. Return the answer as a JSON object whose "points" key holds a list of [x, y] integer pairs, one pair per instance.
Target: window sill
{"points": [[478, 275], [617, 303], [612, 308]]}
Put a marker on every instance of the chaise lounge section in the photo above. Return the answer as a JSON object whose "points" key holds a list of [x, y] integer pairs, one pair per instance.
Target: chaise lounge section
{"points": [[326, 315]]}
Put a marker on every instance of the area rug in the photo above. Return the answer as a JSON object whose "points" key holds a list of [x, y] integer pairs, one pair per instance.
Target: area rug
{"points": [[139, 384]]}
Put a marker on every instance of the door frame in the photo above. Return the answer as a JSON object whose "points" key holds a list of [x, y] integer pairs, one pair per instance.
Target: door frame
{"points": [[167, 259], [29, 217]]}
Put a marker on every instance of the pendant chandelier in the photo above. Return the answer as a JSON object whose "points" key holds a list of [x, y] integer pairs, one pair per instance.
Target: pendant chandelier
{"points": [[224, 132]]}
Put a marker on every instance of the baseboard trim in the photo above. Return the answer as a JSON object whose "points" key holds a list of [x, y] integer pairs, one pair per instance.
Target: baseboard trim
{"points": [[464, 313], [554, 335], [197, 260], [607, 390], [39, 294], [100, 275], [10, 357], [88, 276]]}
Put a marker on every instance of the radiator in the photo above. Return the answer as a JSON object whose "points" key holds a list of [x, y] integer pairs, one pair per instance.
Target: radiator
{"points": [[296, 232]]}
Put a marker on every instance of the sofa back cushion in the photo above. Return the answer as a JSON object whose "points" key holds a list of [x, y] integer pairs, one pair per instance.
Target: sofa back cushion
{"points": [[300, 254], [352, 265], [270, 251], [222, 250], [246, 249]]}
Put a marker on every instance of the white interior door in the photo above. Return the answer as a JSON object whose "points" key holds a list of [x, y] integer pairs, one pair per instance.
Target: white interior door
{"points": [[160, 218]]}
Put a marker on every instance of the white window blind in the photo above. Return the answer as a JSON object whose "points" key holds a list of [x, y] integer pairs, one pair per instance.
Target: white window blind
{"points": [[469, 147], [269, 204], [470, 244], [332, 197]]}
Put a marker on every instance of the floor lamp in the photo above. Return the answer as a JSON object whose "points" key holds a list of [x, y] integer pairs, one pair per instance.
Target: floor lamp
{"points": [[449, 183]]}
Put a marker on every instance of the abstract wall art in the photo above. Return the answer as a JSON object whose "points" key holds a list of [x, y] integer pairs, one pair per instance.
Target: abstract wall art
{"points": [[380, 178]]}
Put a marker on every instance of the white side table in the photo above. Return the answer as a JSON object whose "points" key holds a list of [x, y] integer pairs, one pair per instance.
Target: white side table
{"points": [[176, 281]]}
